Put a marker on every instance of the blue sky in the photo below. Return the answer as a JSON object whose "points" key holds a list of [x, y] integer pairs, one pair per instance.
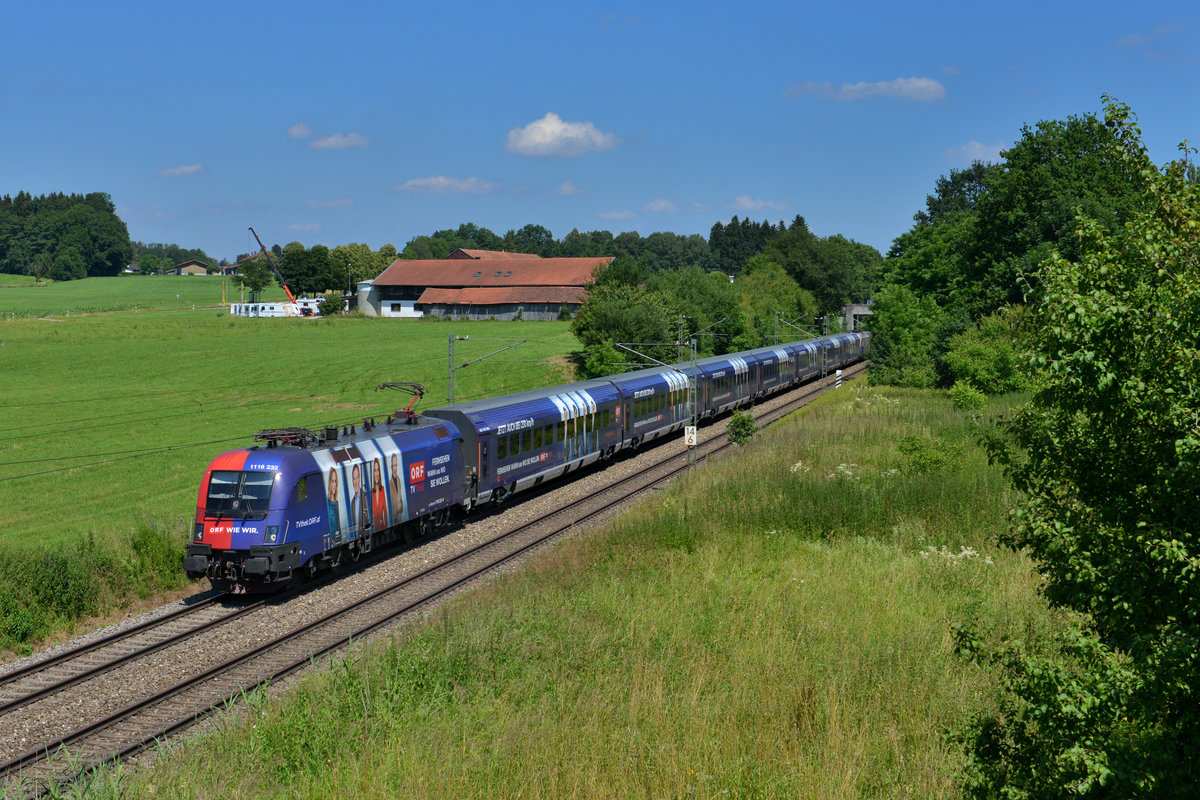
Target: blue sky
{"points": [[378, 122]]}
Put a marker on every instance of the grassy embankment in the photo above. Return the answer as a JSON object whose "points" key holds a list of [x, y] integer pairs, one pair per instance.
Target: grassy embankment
{"points": [[775, 625], [111, 418]]}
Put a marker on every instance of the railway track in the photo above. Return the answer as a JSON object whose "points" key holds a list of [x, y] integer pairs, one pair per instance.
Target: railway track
{"points": [[155, 717], [63, 670]]}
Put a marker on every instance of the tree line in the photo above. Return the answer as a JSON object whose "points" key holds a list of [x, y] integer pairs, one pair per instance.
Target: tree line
{"points": [[317, 269], [835, 269], [156, 257], [62, 236], [787, 288], [974, 252]]}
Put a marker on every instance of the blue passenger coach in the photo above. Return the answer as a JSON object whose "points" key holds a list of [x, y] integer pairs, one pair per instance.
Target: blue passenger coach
{"points": [[656, 403], [726, 382], [776, 369], [520, 440]]}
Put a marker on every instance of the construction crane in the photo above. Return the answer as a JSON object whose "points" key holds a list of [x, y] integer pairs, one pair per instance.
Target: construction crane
{"points": [[274, 268]]}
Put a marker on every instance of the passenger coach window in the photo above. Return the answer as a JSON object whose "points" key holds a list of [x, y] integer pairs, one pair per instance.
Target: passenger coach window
{"points": [[562, 431], [502, 447], [514, 444], [526, 441], [537, 437]]}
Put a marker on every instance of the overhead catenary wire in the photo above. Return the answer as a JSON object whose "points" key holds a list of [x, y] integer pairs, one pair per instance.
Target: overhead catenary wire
{"points": [[114, 456]]}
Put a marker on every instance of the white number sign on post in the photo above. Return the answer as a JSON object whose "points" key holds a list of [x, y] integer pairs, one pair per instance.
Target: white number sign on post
{"points": [[689, 435]]}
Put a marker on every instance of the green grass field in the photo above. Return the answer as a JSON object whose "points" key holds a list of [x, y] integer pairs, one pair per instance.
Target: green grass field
{"points": [[778, 624], [21, 297], [112, 418]]}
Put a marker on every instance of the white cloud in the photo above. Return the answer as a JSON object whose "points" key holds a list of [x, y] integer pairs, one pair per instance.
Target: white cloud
{"points": [[618, 215], [925, 90], [299, 131], [550, 136], [1141, 39], [1147, 43], [182, 169], [142, 212], [305, 227], [974, 151], [443, 184], [744, 202], [567, 189], [336, 202], [661, 205], [339, 141]]}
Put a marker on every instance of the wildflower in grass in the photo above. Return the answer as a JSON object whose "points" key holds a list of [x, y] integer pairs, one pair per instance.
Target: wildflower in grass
{"points": [[798, 467], [844, 472], [946, 556]]}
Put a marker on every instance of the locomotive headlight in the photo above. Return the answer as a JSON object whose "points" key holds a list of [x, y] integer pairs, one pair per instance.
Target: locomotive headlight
{"points": [[272, 534], [198, 532]]}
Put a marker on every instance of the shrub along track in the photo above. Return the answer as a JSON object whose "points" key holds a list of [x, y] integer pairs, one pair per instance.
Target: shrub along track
{"points": [[156, 714]]}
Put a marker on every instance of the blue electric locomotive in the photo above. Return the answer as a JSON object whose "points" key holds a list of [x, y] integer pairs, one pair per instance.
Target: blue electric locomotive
{"points": [[299, 502]]}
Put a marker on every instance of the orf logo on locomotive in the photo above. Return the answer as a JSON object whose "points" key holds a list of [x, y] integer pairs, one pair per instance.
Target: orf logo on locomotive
{"points": [[416, 472]]}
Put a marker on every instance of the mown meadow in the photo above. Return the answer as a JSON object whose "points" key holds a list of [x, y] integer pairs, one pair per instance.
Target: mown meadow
{"points": [[22, 296], [111, 418], [777, 624]]}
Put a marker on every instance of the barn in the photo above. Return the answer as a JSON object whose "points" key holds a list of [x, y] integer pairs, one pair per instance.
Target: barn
{"points": [[481, 284]]}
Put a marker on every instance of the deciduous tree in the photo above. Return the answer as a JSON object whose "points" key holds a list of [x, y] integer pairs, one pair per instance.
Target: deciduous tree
{"points": [[1107, 457]]}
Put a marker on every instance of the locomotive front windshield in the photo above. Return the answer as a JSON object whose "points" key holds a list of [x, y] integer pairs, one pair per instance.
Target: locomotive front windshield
{"points": [[239, 494]]}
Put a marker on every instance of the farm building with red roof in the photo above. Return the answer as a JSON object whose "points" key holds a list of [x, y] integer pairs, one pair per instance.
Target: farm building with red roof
{"points": [[482, 284]]}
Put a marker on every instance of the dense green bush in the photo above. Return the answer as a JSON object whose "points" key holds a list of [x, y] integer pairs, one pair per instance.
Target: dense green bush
{"points": [[905, 329], [46, 589], [964, 395], [989, 355], [331, 303], [741, 428]]}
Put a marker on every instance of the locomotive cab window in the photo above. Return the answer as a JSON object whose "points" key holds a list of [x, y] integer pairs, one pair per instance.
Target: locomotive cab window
{"points": [[239, 494]]}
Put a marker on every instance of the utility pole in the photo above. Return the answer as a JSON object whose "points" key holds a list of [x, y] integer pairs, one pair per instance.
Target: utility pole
{"points": [[690, 431], [690, 435], [450, 370]]}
